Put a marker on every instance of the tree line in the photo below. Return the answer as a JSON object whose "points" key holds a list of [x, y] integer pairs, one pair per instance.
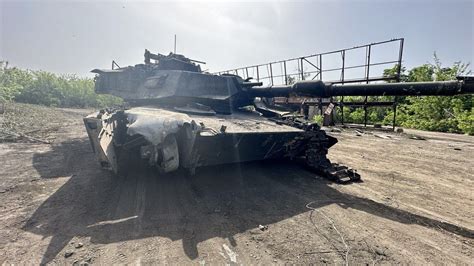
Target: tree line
{"points": [[446, 114], [46, 88]]}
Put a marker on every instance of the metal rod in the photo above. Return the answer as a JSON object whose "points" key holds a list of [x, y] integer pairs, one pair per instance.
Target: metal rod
{"points": [[330, 69], [114, 64], [368, 64], [321, 67], [302, 69], [332, 52], [367, 82], [399, 70], [342, 81], [311, 64], [271, 73], [400, 54], [175, 43]]}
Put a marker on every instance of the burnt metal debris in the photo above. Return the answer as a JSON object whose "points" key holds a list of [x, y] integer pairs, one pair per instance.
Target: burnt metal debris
{"points": [[183, 118]]}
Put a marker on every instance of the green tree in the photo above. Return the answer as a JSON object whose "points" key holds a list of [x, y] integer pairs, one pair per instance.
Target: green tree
{"points": [[447, 114], [12, 81], [45, 88]]}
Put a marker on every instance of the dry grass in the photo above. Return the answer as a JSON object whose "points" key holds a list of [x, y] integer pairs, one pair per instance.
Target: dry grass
{"points": [[21, 122]]}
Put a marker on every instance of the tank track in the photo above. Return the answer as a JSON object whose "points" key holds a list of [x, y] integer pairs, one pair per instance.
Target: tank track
{"points": [[317, 161], [315, 152]]}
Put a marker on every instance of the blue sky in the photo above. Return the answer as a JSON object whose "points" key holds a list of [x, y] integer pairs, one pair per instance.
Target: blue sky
{"points": [[75, 37]]}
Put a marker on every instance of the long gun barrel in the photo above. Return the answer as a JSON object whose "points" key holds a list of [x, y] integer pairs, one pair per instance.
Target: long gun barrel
{"points": [[464, 85]]}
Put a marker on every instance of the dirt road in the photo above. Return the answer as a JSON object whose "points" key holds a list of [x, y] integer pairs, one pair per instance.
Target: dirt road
{"points": [[414, 206]]}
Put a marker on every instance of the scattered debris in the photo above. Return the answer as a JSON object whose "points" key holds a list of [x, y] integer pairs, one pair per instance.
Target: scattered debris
{"points": [[231, 254], [3, 190], [223, 128], [79, 245], [457, 149], [68, 254], [380, 252], [382, 136], [21, 135], [377, 125], [398, 130], [82, 263], [263, 227], [335, 129], [257, 238], [411, 136]]}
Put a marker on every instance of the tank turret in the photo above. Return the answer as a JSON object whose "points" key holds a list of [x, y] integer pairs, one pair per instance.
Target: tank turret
{"points": [[175, 80]]}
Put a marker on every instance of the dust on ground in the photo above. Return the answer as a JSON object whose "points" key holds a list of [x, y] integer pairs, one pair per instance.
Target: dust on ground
{"points": [[415, 205]]}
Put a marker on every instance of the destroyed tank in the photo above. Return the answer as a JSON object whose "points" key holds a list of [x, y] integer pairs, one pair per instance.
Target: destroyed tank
{"points": [[180, 117]]}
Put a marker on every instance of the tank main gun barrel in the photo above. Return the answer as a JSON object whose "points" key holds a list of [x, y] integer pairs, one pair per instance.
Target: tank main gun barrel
{"points": [[464, 85]]}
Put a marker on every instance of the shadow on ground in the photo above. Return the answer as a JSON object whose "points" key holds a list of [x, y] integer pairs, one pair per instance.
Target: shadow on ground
{"points": [[219, 201]]}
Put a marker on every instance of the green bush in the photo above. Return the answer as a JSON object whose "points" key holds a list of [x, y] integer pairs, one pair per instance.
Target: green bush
{"points": [[318, 119], [45, 88], [446, 114]]}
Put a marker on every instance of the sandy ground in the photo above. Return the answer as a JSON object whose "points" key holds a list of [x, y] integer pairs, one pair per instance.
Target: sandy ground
{"points": [[415, 205]]}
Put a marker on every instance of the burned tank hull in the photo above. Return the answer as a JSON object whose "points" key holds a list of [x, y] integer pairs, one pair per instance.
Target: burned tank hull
{"points": [[168, 140], [183, 118]]}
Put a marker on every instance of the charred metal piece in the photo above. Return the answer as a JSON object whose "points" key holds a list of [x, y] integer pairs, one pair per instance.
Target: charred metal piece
{"points": [[184, 118]]}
